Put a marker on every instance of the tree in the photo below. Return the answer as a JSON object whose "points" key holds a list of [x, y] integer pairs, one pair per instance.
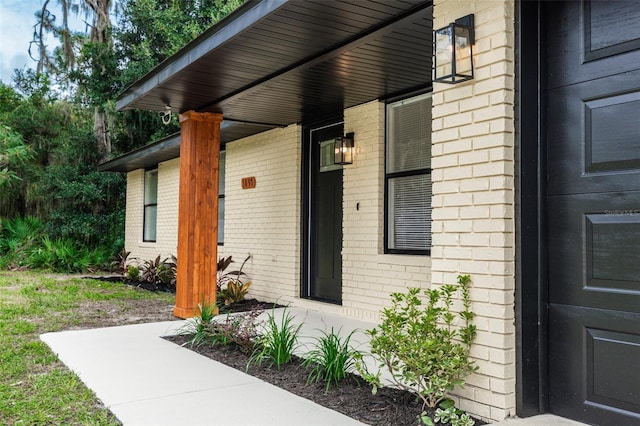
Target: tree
{"points": [[148, 32], [51, 141], [32, 111], [96, 51], [105, 61], [13, 152]]}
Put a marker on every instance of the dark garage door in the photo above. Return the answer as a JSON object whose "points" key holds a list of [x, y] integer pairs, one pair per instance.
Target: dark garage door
{"points": [[593, 210]]}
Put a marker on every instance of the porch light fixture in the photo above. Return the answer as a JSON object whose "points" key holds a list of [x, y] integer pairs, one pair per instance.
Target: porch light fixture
{"points": [[343, 149], [165, 115], [453, 51]]}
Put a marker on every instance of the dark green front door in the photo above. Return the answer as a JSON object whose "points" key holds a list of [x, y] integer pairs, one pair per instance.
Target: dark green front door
{"points": [[323, 239]]}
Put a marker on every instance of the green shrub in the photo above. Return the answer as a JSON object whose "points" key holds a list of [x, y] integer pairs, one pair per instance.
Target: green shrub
{"points": [[423, 346], [158, 271], [331, 359], [197, 327], [99, 258], [230, 287], [133, 273], [17, 238], [63, 255], [448, 413], [239, 330], [276, 342], [23, 243]]}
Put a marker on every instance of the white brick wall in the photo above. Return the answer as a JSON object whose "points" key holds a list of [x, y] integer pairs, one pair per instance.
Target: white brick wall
{"points": [[167, 216], [265, 221], [369, 275], [473, 216], [134, 216]]}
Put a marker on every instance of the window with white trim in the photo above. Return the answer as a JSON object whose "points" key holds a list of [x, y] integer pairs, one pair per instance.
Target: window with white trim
{"points": [[221, 165], [150, 205], [408, 176]]}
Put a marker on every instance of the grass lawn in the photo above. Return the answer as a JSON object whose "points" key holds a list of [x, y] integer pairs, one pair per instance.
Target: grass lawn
{"points": [[36, 388]]}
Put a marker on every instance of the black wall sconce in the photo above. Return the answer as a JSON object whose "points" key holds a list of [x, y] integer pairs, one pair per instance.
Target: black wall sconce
{"points": [[343, 149], [453, 51]]}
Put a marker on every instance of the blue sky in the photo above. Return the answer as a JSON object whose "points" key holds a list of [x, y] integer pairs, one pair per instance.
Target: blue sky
{"points": [[16, 31]]}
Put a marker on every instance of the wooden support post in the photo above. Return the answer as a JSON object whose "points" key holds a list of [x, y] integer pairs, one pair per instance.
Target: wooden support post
{"points": [[197, 211]]}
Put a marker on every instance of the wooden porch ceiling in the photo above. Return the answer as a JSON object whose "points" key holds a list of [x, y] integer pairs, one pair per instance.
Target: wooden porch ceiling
{"points": [[272, 63]]}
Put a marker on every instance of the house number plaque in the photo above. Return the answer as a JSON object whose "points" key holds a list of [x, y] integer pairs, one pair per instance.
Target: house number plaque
{"points": [[249, 182]]}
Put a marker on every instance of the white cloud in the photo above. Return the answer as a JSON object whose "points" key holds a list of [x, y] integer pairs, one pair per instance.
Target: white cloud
{"points": [[17, 18], [16, 31]]}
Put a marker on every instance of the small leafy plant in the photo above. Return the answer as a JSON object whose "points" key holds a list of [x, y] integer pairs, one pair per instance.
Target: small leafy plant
{"points": [[422, 346], [120, 262], [230, 287], [133, 273], [234, 292], [59, 255], [448, 413], [158, 271], [239, 330], [171, 277], [222, 277], [331, 359], [276, 342], [198, 326]]}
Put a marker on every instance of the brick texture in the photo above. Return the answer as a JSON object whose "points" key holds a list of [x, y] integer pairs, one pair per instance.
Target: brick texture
{"points": [[473, 228], [167, 215], [265, 221], [369, 275]]}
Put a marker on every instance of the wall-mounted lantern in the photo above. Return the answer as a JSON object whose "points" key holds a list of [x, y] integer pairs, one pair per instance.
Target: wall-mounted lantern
{"points": [[453, 51], [343, 149]]}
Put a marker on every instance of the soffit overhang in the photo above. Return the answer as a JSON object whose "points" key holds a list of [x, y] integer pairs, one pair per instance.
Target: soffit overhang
{"points": [[273, 63], [145, 157]]}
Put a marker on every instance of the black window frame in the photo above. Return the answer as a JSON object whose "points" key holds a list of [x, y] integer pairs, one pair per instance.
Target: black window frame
{"points": [[221, 172], [145, 205], [389, 176]]}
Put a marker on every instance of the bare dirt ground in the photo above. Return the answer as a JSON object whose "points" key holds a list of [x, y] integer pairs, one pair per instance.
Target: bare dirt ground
{"points": [[107, 313], [113, 312]]}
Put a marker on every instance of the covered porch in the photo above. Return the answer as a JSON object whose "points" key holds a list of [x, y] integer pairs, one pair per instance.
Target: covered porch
{"points": [[269, 65]]}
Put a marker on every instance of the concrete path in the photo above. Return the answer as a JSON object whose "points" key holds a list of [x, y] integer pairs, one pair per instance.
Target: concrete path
{"points": [[146, 380]]}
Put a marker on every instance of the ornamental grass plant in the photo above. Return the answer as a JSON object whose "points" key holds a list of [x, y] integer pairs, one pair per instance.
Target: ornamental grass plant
{"points": [[277, 340], [331, 359]]}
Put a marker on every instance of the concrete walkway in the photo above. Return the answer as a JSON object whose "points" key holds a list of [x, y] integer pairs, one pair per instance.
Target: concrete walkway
{"points": [[146, 380]]}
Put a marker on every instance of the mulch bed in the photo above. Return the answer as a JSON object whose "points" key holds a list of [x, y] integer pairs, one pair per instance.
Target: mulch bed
{"points": [[140, 284], [353, 397], [248, 305]]}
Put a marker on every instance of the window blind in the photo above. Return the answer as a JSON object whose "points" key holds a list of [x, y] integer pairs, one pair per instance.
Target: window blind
{"points": [[408, 175]]}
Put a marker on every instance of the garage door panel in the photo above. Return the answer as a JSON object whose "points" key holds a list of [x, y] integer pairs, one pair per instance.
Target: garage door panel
{"points": [[593, 209], [598, 19], [596, 250], [607, 384], [600, 385], [594, 144], [592, 39]]}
